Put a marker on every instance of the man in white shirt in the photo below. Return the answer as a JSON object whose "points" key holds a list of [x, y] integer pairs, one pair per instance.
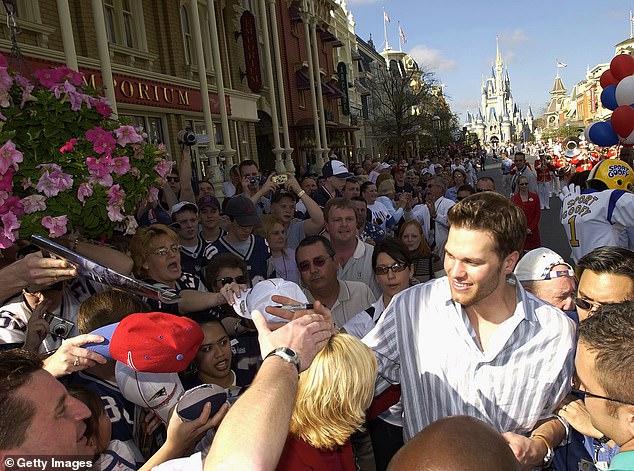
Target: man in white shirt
{"points": [[475, 342]]}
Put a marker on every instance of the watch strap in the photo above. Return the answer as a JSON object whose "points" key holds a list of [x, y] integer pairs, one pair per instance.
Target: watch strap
{"points": [[286, 354]]}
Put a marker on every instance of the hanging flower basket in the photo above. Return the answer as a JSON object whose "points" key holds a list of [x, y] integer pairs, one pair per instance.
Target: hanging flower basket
{"points": [[65, 164]]}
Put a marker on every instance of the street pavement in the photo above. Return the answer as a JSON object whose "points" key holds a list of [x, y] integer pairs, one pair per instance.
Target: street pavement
{"points": [[551, 231]]}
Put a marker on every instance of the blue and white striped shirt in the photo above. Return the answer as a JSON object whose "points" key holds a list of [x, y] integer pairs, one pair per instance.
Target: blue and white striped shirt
{"points": [[425, 342]]}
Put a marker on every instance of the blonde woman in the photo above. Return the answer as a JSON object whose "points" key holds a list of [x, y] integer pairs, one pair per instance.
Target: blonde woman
{"points": [[282, 262], [332, 398]]}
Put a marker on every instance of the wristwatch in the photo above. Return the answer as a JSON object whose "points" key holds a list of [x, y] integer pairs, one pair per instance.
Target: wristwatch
{"points": [[286, 354]]}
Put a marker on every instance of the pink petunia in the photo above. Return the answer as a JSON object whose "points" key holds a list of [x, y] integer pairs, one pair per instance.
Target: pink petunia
{"points": [[9, 157], [127, 135], [164, 167], [56, 225], [51, 183], [6, 180], [84, 191], [9, 230], [26, 183], [63, 73], [12, 204], [103, 108], [45, 76], [116, 196], [102, 141], [114, 213], [5, 79], [152, 194], [69, 146], [34, 203], [121, 165]]}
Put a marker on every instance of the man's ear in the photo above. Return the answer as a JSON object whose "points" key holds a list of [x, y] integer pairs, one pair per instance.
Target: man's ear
{"points": [[628, 417], [510, 261]]}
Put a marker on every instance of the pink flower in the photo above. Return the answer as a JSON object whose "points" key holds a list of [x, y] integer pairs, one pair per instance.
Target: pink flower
{"points": [[114, 213], [102, 141], [34, 203], [127, 135], [27, 88], [63, 73], [3, 61], [121, 165], [103, 179], [56, 225], [45, 76], [102, 107], [69, 146], [51, 183], [116, 196], [5, 79], [135, 171], [9, 157], [9, 231], [152, 194], [26, 183], [6, 180], [11, 204], [84, 191], [99, 170], [164, 167], [138, 152]]}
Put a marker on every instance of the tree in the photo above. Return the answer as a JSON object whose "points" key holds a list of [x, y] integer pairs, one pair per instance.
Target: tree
{"points": [[404, 100]]}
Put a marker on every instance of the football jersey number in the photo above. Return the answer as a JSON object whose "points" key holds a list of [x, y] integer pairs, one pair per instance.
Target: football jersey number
{"points": [[574, 242]]}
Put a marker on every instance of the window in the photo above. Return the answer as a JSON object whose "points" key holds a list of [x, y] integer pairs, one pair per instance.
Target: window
{"points": [[124, 23], [218, 132], [152, 125], [187, 36], [302, 98]]}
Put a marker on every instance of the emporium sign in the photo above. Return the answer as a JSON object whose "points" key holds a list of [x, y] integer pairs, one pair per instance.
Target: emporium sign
{"points": [[140, 91]]}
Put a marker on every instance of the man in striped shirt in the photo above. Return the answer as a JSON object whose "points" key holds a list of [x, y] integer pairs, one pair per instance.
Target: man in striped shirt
{"points": [[475, 342]]}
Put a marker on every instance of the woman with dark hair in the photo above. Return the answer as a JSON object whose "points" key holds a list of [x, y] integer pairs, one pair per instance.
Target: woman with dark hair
{"points": [[459, 178], [393, 270]]}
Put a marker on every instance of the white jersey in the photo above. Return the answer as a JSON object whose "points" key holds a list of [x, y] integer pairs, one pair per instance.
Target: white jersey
{"points": [[596, 219]]}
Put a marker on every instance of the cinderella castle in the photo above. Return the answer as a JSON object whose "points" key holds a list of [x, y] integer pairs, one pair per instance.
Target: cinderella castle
{"points": [[498, 119]]}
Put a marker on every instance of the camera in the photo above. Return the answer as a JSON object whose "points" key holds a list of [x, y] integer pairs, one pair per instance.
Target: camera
{"points": [[280, 179], [254, 180], [58, 327], [189, 138]]}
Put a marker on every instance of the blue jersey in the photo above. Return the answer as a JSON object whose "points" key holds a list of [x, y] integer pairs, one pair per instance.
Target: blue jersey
{"points": [[256, 256], [119, 409]]}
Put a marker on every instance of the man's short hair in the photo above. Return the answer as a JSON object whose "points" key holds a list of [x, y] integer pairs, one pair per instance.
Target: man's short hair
{"points": [[491, 212], [316, 239], [16, 413], [486, 179], [438, 181], [107, 307], [246, 163], [608, 334], [609, 260], [338, 203]]}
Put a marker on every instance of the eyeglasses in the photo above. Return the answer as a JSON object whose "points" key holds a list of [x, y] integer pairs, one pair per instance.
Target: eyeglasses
{"points": [[396, 268], [523, 184], [584, 304], [173, 179], [319, 262], [225, 280], [164, 251], [576, 385]]}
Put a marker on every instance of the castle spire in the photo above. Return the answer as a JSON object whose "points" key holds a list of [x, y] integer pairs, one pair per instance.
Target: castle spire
{"points": [[498, 54]]}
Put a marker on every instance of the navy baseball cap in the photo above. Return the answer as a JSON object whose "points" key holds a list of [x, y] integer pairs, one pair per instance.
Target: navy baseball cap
{"points": [[242, 210], [157, 216]]}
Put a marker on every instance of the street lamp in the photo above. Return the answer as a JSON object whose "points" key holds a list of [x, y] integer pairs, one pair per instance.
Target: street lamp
{"points": [[436, 125]]}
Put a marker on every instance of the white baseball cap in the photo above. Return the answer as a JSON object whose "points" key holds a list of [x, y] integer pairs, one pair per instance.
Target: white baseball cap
{"points": [[258, 297], [538, 264], [157, 391], [336, 168]]}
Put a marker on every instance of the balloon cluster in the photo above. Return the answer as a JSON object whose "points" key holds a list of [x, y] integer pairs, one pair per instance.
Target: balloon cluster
{"points": [[617, 95]]}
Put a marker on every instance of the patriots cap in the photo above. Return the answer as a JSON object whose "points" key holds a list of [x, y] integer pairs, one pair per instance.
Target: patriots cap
{"points": [[259, 297], [159, 392], [154, 342], [242, 210], [157, 216], [537, 264], [336, 168]]}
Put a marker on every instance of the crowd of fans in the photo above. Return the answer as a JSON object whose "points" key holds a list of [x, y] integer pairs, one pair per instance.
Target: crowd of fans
{"points": [[434, 330]]}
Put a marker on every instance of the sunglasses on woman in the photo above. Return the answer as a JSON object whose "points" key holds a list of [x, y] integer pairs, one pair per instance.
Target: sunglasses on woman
{"points": [[225, 280], [396, 268]]}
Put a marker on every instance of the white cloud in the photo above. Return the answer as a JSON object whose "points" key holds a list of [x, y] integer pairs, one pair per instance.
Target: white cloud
{"points": [[509, 57], [516, 36], [470, 104], [431, 59]]}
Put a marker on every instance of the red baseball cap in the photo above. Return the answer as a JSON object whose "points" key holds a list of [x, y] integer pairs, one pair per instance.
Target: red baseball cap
{"points": [[153, 342]]}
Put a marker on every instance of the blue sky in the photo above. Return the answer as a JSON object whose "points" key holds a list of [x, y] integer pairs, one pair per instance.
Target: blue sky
{"points": [[456, 40]]}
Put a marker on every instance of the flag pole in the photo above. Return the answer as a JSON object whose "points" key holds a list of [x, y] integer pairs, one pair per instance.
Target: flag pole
{"points": [[557, 67], [631, 25], [385, 19]]}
